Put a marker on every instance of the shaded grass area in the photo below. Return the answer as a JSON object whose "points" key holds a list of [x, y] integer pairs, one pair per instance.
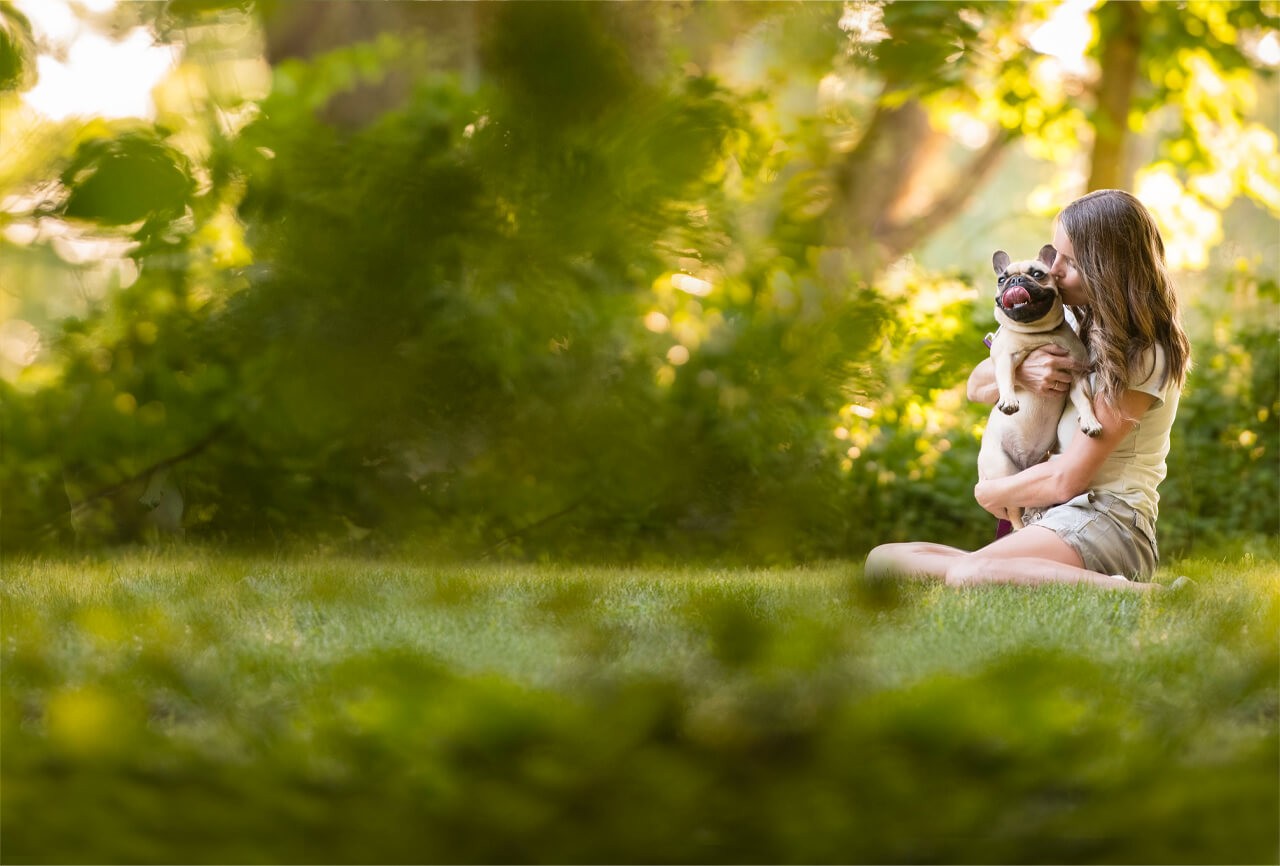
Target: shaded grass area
{"points": [[188, 707]]}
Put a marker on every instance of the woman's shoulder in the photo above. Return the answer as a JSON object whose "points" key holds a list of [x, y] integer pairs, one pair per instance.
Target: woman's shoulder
{"points": [[1149, 370]]}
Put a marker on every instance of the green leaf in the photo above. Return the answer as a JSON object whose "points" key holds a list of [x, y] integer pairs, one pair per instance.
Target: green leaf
{"points": [[125, 180], [17, 51]]}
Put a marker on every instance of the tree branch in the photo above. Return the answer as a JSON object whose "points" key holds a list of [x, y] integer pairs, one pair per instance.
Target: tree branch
{"points": [[507, 539], [204, 443], [899, 238], [872, 176], [46, 529]]}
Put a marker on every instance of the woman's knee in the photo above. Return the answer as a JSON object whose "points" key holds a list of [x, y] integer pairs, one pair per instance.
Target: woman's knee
{"points": [[886, 560], [877, 561], [905, 559]]}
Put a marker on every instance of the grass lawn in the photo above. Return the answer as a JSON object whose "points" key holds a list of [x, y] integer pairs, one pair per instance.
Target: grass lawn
{"points": [[191, 707]]}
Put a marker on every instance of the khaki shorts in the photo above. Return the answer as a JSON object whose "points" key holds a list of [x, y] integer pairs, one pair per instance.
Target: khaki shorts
{"points": [[1110, 536]]}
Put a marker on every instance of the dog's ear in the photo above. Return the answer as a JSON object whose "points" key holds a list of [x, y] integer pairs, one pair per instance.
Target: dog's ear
{"points": [[1000, 261], [1048, 254]]}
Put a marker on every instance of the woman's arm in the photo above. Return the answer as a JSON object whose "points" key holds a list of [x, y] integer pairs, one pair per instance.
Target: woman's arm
{"points": [[1060, 479], [982, 383], [1043, 371]]}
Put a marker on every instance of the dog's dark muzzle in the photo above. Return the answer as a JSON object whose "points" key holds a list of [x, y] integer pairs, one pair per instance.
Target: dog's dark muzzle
{"points": [[1024, 300]]}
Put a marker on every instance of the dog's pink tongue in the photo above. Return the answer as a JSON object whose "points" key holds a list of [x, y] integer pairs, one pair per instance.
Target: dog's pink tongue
{"points": [[1016, 295]]}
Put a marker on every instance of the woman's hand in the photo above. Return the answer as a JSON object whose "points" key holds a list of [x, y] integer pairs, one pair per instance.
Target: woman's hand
{"points": [[987, 493], [1049, 370]]}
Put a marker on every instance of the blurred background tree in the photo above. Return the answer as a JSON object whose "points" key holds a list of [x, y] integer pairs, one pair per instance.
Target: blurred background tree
{"points": [[595, 280]]}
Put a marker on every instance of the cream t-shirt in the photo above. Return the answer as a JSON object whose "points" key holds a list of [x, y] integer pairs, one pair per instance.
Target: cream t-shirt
{"points": [[1134, 470]]}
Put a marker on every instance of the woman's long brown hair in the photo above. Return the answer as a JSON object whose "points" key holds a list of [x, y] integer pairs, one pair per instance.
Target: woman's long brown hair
{"points": [[1132, 303]]}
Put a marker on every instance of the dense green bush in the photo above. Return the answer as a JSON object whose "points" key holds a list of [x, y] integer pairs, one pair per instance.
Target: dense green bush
{"points": [[460, 323], [1224, 462]]}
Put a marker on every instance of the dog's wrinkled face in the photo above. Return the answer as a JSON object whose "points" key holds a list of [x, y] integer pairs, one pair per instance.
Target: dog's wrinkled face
{"points": [[1025, 292]]}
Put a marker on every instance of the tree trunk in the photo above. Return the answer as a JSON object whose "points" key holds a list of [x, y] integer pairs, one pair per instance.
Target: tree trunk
{"points": [[912, 230], [1120, 31], [873, 178]]}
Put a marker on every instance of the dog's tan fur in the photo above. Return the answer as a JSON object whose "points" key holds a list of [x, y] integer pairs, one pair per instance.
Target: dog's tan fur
{"points": [[1023, 426]]}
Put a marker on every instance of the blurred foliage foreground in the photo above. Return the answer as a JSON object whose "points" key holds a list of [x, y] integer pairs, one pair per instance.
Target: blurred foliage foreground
{"points": [[243, 711], [575, 310], [223, 710]]}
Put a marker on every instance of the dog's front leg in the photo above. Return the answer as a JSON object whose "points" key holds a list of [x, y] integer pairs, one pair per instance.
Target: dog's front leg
{"points": [[1080, 398], [1005, 362]]}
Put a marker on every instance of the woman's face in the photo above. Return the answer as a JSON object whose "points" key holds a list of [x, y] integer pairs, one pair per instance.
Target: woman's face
{"points": [[1066, 273]]}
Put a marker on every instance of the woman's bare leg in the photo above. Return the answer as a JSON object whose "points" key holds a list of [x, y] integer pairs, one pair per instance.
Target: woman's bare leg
{"points": [[916, 560], [1030, 557], [973, 571]]}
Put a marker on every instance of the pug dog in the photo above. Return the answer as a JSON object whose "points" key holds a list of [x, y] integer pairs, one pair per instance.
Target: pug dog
{"points": [[1023, 427]]}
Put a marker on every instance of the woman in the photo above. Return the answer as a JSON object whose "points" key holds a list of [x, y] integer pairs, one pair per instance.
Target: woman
{"points": [[1091, 508]]}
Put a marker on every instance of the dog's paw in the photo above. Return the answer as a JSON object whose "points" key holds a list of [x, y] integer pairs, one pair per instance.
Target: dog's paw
{"points": [[1092, 429], [1008, 407]]}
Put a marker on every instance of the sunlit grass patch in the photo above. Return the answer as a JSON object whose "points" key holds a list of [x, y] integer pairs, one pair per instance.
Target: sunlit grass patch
{"points": [[213, 708]]}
